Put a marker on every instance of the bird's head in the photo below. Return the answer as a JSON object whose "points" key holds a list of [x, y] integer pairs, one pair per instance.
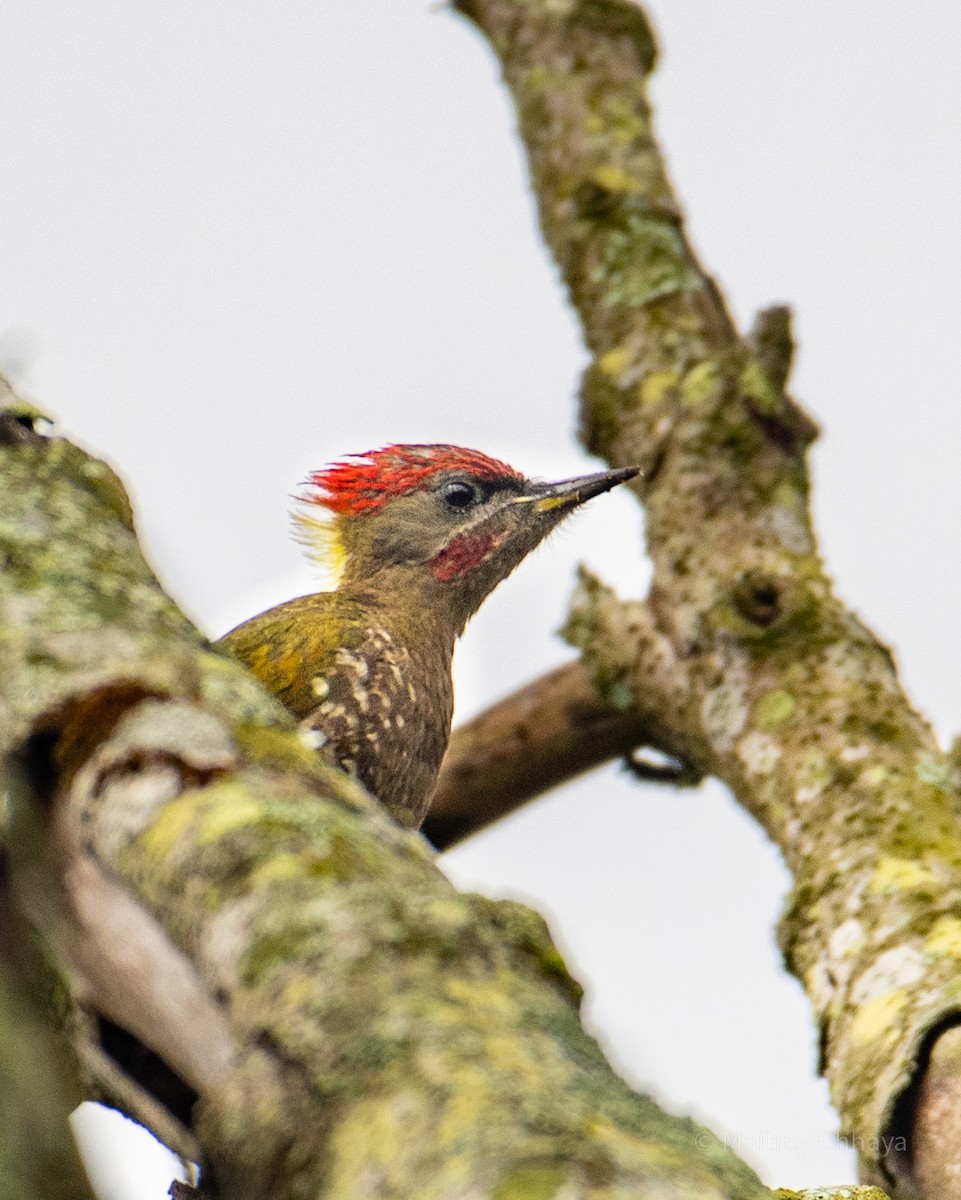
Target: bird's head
{"points": [[434, 518]]}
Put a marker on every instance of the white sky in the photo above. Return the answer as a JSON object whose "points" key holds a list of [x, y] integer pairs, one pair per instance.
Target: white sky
{"points": [[239, 240]]}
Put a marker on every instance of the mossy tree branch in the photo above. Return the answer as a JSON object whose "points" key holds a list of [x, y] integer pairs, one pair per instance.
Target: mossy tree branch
{"points": [[323, 1012], [787, 696], [38, 1157]]}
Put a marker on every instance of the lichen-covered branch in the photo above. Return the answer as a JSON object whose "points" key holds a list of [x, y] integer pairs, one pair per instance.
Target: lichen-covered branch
{"points": [[38, 1158], [253, 957], [787, 696]]}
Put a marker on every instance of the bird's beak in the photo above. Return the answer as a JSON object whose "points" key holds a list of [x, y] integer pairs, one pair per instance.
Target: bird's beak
{"points": [[568, 493]]}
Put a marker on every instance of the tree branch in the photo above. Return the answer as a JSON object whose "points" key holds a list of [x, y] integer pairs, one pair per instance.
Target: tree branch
{"points": [[38, 1157], [787, 696], [552, 730]]}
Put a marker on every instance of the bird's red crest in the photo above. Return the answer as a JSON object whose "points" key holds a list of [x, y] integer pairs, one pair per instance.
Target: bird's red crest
{"points": [[366, 481]]}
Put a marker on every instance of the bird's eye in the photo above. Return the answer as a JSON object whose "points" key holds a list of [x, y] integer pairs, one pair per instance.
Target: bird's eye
{"points": [[459, 494]]}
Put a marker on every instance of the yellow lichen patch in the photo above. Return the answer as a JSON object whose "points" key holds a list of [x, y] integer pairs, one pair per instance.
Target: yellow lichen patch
{"points": [[225, 809], [700, 383], [773, 708], [269, 746], [756, 384], [512, 1055], [480, 998], [529, 1183], [615, 362], [378, 1138], [875, 776], [540, 77], [875, 1018], [615, 117], [279, 867], [172, 824], [899, 875], [469, 1102], [656, 386], [786, 495], [652, 1156], [299, 990], [944, 938], [615, 179]]}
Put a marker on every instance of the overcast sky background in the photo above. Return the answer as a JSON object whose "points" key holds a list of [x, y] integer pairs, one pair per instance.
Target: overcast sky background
{"points": [[237, 241]]}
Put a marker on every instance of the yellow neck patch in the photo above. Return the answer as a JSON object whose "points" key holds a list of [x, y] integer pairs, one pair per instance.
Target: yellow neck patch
{"points": [[318, 530]]}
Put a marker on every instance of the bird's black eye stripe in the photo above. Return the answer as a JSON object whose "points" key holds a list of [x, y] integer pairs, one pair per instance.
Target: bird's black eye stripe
{"points": [[462, 494]]}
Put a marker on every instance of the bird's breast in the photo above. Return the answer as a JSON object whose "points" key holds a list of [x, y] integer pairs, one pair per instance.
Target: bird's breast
{"points": [[384, 711]]}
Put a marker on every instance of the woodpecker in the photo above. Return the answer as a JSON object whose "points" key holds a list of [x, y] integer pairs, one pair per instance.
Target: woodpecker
{"points": [[415, 537]]}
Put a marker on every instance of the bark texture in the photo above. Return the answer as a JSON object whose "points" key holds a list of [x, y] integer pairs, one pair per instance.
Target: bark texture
{"points": [[767, 681], [38, 1158], [254, 959]]}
